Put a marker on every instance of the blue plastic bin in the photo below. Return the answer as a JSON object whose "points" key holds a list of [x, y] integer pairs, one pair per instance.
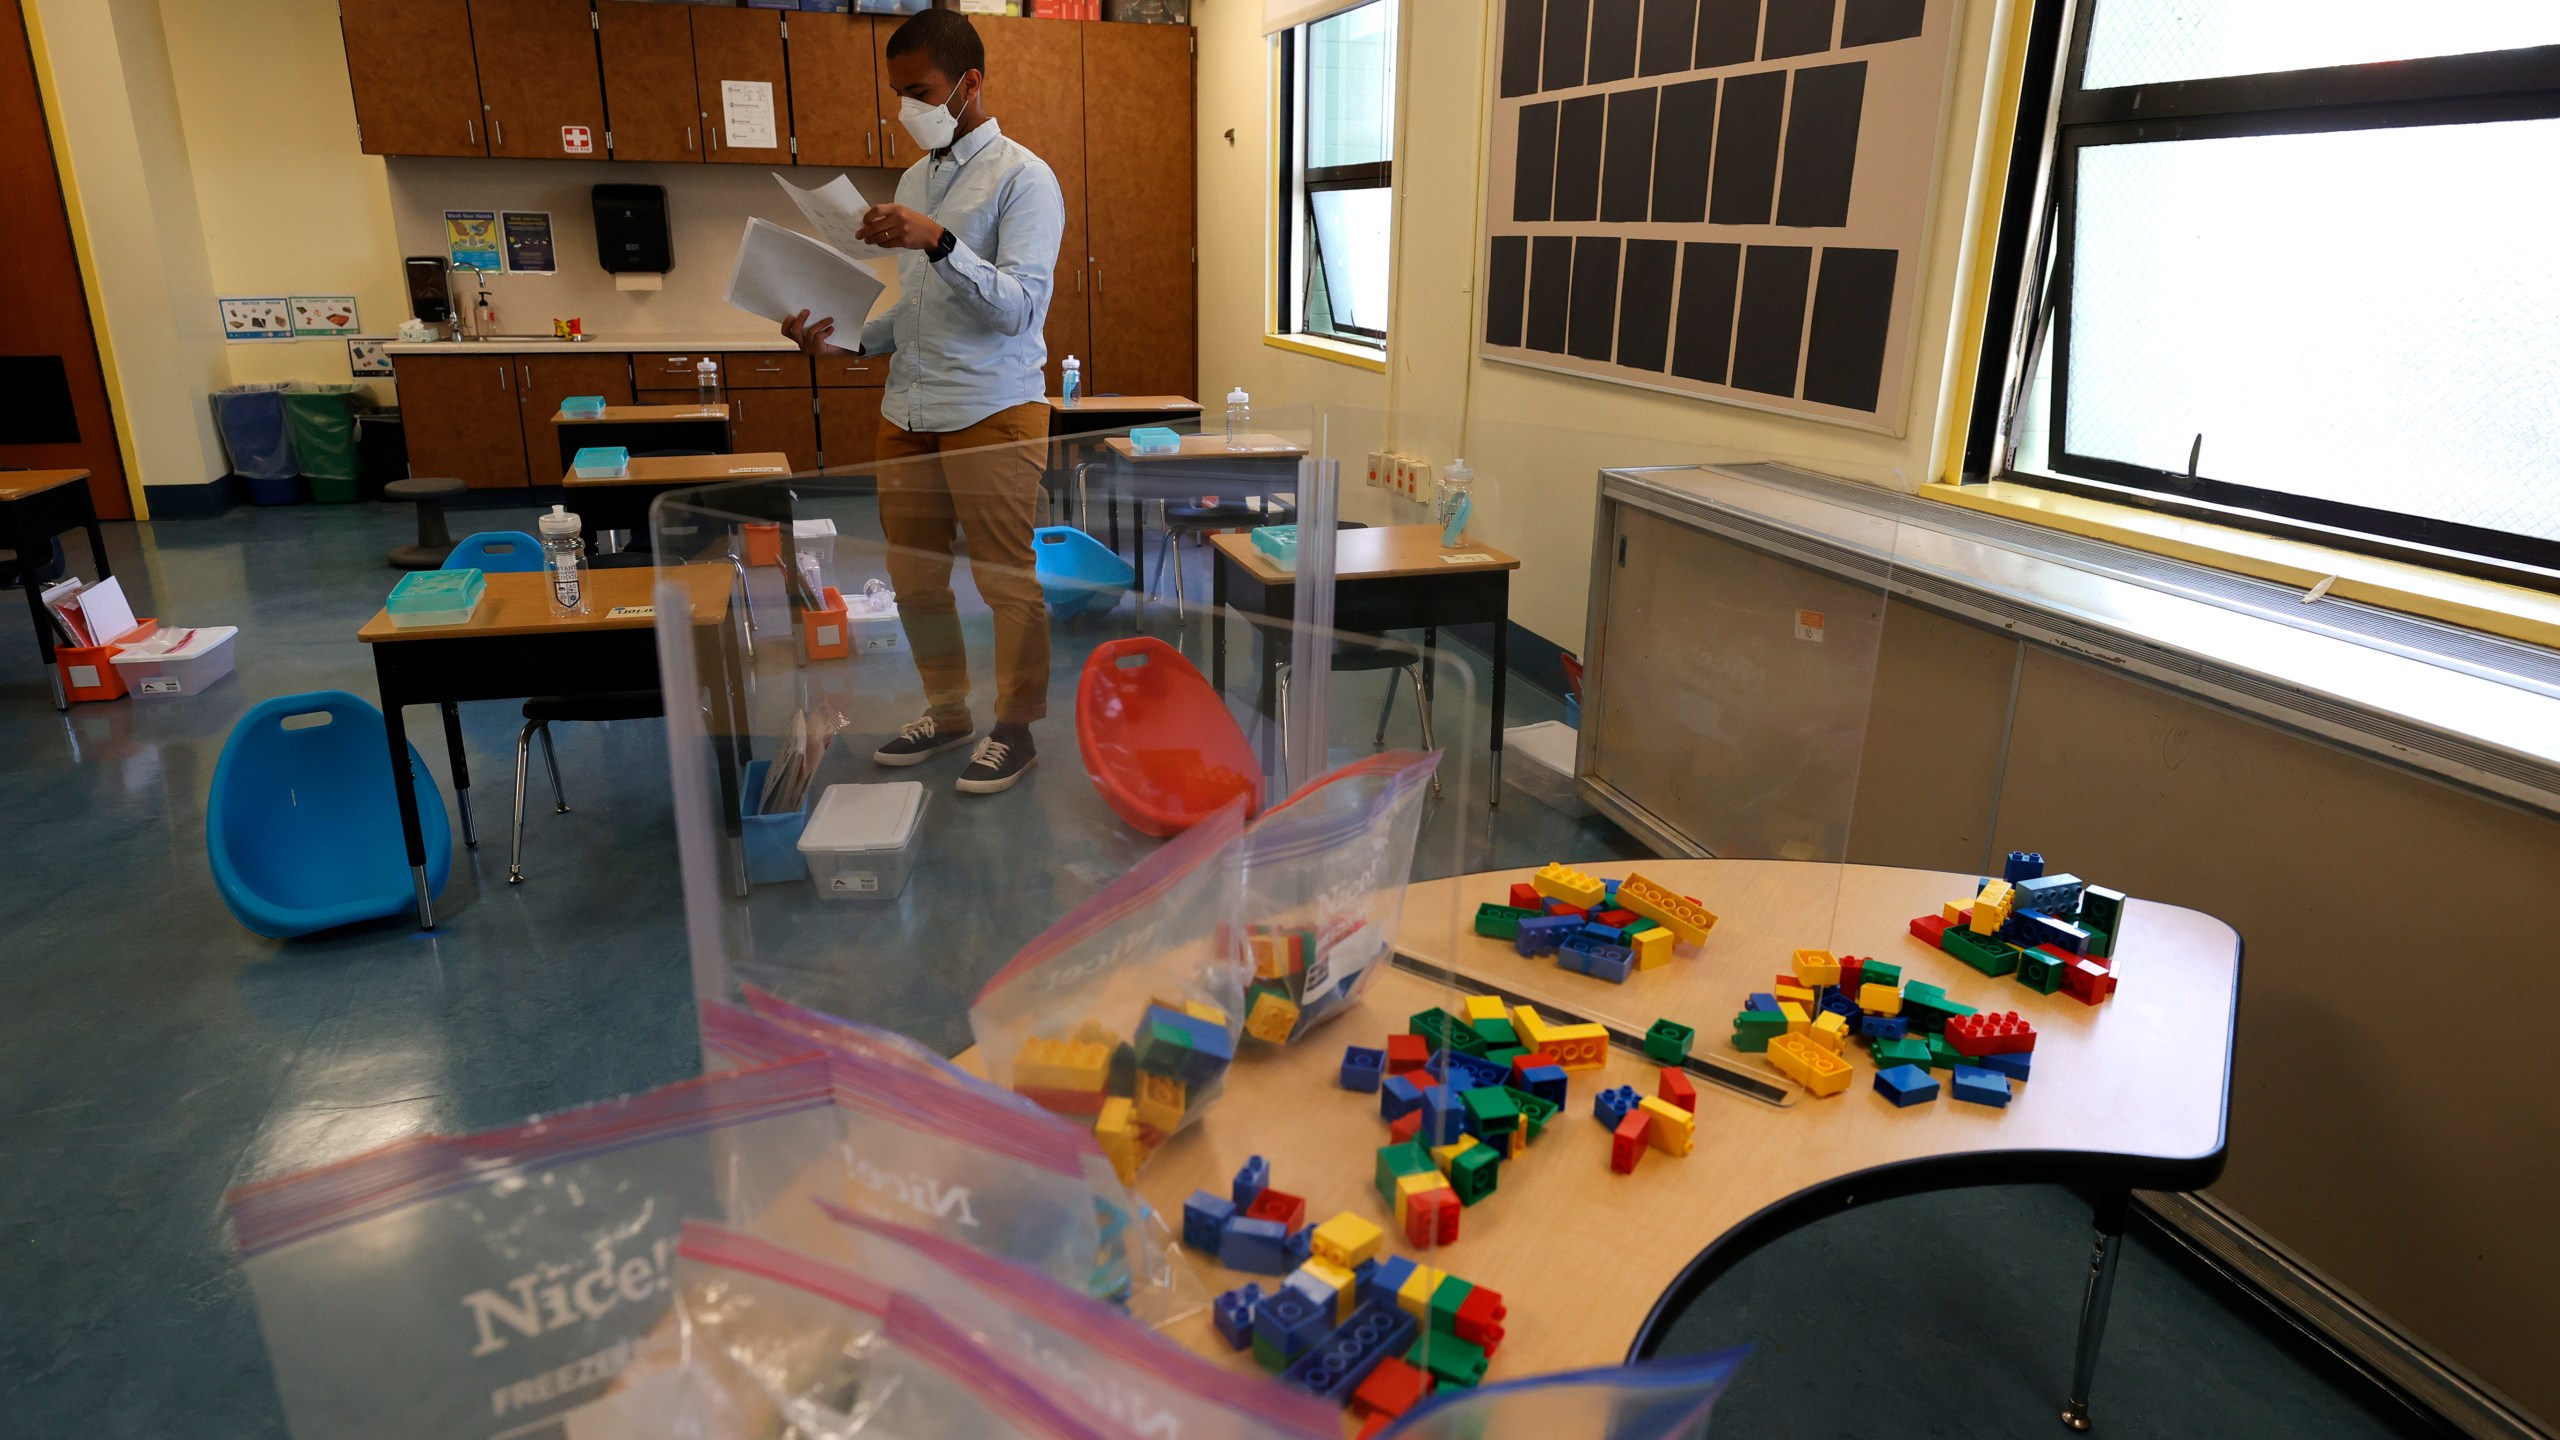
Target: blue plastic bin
{"points": [[772, 841], [1079, 575], [254, 432]]}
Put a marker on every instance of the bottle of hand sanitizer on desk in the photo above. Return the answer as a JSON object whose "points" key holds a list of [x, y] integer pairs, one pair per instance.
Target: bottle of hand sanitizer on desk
{"points": [[1239, 417], [564, 554], [1071, 382]]}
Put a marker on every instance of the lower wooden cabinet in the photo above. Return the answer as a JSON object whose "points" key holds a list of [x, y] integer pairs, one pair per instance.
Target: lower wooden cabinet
{"points": [[461, 417], [849, 426], [542, 382]]}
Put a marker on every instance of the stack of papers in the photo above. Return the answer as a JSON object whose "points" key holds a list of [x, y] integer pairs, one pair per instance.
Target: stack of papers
{"points": [[786, 780]]}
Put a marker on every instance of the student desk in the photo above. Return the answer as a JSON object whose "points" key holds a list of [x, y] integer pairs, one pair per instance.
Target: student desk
{"points": [[639, 428], [513, 647], [621, 502], [1385, 577], [35, 506], [1201, 467], [1072, 428], [1593, 1265]]}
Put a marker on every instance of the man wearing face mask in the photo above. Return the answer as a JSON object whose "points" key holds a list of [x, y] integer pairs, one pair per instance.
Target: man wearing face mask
{"points": [[977, 222]]}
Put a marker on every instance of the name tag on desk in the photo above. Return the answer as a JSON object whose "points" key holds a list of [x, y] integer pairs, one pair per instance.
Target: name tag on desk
{"points": [[631, 612], [1473, 557]]}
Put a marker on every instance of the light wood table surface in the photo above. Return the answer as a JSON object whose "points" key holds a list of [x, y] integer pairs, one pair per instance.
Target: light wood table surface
{"points": [[1379, 552], [645, 415], [1125, 404], [2131, 1093], [519, 603], [19, 484], [1196, 448], [659, 470]]}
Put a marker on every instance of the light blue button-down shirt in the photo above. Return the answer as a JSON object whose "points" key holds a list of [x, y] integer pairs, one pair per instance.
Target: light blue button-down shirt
{"points": [[964, 340]]}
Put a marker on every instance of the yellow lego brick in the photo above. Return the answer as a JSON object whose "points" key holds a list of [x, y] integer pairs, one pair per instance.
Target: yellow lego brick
{"points": [[1798, 1022], [1687, 920], [1272, 1018], [1653, 947], [1408, 1186], [1210, 1013], [1796, 993], [1562, 882], [1117, 1128], [1880, 999], [1817, 968], [1345, 1288], [1270, 956], [1415, 1294], [1346, 1240], [1530, 1026], [1830, 1030], [1091, 1032], [1486, 1007], [1991, 907], [1161, 1101], [1062, 1065], [1673, 1129], [1577, 1047], [1952, 912], [1818, 1070], [1441, 1155]]}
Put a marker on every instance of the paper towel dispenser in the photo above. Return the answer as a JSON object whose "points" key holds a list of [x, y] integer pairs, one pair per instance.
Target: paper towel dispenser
{"points": [[631, 229]]}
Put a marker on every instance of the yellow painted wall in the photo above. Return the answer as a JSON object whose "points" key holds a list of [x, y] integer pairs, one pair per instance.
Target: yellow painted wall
{"points": [[1536, 440]]}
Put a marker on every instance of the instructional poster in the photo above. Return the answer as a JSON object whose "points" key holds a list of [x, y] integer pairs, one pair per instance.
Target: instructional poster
{"points": [[365, 355], [528, 236], [471, 237], [259, 318], [746, 114], [325, 315]]}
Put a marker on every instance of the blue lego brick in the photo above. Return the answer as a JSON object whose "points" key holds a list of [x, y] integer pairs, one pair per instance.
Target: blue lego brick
{"points": [[1605, 934], [2022, 865], [1760, 1000], [1362, 1276], [2034, 929], [1300, 1246], [2049, 895], [1363, 1067], [1291, 1323], [1209, 1052], [1257, 1247], [1838, 1004], [1388, 1279], [1464, 1072], [1977, 1086], [1883, 1027], [1303, 1282], [1443, 1118], [1597, 959], [1397, 1097], [1906, 1085], [1204, 1220], [1609, 889], [1547, 1082], [1542, 935], [1336, 1366], [1611, 1106], [1252, 1178], [2015, 1064], [1233, 1315]]}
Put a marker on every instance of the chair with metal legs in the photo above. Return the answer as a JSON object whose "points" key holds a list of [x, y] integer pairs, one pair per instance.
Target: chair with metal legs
{"points": [[541, 711], [1355, 656], [1182, 520]]}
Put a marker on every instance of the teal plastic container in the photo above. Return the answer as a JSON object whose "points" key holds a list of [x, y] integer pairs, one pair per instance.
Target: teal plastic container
{"points": [[1154, 440], [587, 405], [435, 597], [601, 462], [1279, 543]]}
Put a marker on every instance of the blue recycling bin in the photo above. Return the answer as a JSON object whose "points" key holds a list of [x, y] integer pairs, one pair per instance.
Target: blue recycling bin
{"points": [[261, 445]]}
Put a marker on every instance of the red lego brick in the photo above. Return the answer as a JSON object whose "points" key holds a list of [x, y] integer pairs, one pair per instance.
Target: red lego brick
{"points": [[2088, 982], [1479, 1320], [1619, 918], [1374, 1426], [1558, 907], [1404, 1127], [1407, 1053], [1931, 928], [1627, 1142], [1526, 897], [1679, 1089], [1432, 1219], [1853, 969], [1394, 1387], [1520, 1063], [1990, 1034], [1278, 1205]]}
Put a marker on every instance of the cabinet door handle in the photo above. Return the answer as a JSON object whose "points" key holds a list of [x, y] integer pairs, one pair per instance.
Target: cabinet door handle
{"points": [[1097, 277], [497, 131], [528, 375], [505, 381], [688, 139], [471, 126], [1079, 279], [870, 145]]}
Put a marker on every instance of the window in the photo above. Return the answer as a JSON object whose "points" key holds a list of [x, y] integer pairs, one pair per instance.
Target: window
{"points": [[1337, 127], [2293, 258]]}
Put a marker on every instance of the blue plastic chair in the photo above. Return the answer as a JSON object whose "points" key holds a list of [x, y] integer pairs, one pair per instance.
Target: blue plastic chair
{"points": [[496, 552], [1077, 573], [304, 827]]}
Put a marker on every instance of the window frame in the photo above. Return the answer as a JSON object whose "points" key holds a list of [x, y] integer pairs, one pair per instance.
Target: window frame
{"points": [[2028, 310], [1296, 247]]}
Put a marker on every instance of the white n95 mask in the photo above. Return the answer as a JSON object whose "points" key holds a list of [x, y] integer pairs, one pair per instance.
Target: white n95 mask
{"points": [[931, 125]]}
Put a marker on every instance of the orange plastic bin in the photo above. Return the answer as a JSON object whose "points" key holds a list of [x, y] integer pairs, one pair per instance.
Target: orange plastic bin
{"points": [[1157, 741]]}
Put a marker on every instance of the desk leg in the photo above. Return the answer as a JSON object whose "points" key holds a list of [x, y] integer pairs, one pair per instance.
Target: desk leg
{"points": [[1266, 667], [404, 784], [2108, 1244], [453, 754], [1501, 688], [27, 553], [1218, 622]]}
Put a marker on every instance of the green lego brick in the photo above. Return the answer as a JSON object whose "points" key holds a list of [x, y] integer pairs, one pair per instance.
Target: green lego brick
{"points": [[1447, 1359], [1906, 1051], [1451, 1294], [1667, 1043], [1878, 972], [1474, 1172], [1163, 1048], [1985, 953], [1446, 1032], [1490, 1110], [1921, 990], [1641, 924], [1754, 1029], [1123, 1076], [1502, 922], [2041, 972], [1943, 1056], [1408, 1158], [1497, 1034], [1267, 1355], [1534, 1112], [1503, 1055], [2102, 943]]}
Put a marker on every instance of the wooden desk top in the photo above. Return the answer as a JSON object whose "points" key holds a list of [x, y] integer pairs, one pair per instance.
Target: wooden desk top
{"points": [[1106, 404], [1213, 447], [643, 415], [1581, 1255], [519, 603], [687, 469], [19, 484], [1379, 552]]}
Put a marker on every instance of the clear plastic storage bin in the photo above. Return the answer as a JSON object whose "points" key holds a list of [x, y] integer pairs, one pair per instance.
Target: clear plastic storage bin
{"points": [[185, 669], [861, 840]]}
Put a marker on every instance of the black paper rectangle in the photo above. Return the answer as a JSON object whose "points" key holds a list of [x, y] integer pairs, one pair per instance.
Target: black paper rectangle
{"points": [[1522, 22], [1728, 33], [1668, 25], [1683, 142], [1796, 27], [1705, 335], [1822, 144], [1578, 158], [1613, 40], [1506, 276], [1746, 169], [1852, 317], [1644, 303], [1768, 331], [1568, 34], [1873, 22], [1626, 177], [1533, 165], [1595, 296], [1550, 292]]}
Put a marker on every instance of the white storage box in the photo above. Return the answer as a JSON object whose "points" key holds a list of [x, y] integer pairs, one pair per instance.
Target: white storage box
{"points": [[184, 670], [861, 840], [1538, 759]]}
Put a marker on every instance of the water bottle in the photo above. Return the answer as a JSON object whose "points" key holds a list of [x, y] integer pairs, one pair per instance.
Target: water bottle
{"points": [[564, 552], [1239, 417], [706, 382], [1071, 382], [1454, 503]]}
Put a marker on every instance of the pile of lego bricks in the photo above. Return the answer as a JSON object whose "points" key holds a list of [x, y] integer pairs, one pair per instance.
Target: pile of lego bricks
{"points": [[1362, 1328], [1277, 1005], [1606, 929], [2053, 932], [1808, 1020], [1139, 1090]]}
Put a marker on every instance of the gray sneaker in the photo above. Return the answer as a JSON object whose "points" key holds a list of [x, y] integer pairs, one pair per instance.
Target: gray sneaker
{"points": [[918, 742], [1000, 760]]}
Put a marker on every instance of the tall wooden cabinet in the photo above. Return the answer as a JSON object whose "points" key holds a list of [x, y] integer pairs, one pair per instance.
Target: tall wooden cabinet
{"points": [[741, 47], [646, 53], [538, 77], [1035, 87], [416, 82], [1139, 206]]}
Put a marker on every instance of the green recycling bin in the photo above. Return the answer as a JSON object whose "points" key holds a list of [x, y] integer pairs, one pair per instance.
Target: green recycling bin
{"points": [[322, 419]]}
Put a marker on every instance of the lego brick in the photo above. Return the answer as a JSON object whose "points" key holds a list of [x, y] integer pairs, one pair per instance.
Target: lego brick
{"points": [[1620, 918], [1443, 1118], [1203, 1012], [1479, 1319], [1275, 957], [1503, 1055], [1398, 1096], [1686, 919], [2036, 929], [1474, 1173], [1387, 1277], [1901, 1050], [1502, 922], [1852, 974], [1407, 1126], [1063, 1102], [1410, 1188], [1466, 1072], [2015, 1063], [1673, 1130], [1258, 1247], [1280, 1205], [1477, 1008], [1830, 1031], [1290, 1323], [1652, 945], [1161, 1101], [1788, 992], [1603, 932], [1836, 1003], [1363, 1068], [2041, 970], [1346, 1240], [1563, 882], [1116, 1129], [1489, 1111], [1497, 1033], [1337, 1282], [1988, 954], [1760, 1000], [1313, 1286], [1392, 1388], [1204, 1219], [2055, 895], [1444, 1031], [2021, 865], [1929, 929], [1942, 1056], [1541, 937], [1539, 1074], [1407, 1053], [1991, 906], [1414, 1295], [1639, 925], [2102, 946], [1061, 1065], [1441, 1155], [1954, 913], [1798, 1021], [1977, 1086], [2088, 982], [1557, 909], [1816, 968], [1585, 955], [1753, 1029], [1880, 999], [1611, 1106], [1818, 1070], [1883, 1027], [2102, 909], [1535, 1112], [1678, 1088], [1448, 1359], [1526, 897], [1929, 1012], [1906, 1085], [1432, 1218], [1399, 1160], [1667, 1042], [1446, 1298], [1578, 1047], [1990, 1034], [1233, 1315], [1879, 972], [1272, 1018]]}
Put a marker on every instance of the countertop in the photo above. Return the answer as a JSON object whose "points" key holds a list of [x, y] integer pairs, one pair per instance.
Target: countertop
{"points": [[618, 345]]}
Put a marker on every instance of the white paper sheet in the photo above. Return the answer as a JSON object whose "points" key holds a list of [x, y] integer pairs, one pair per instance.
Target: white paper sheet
{"points": [[109, 613], [746, 114], [782, 272], [834, 210]]}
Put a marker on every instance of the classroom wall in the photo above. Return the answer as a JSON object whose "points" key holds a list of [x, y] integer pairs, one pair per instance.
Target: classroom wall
{"points": [[1536, 440]]}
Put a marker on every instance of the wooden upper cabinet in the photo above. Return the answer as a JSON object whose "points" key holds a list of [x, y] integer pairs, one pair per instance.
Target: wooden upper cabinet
{"points": [[1035, 89], [835, 94], [1140, 210], [740, 46], [648, 80], [897, 149], [538, 77], [416, 86]]}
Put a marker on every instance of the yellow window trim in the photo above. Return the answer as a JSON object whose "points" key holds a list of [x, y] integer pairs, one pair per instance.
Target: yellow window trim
{"points": [[2485, 605], [1357, 356]]}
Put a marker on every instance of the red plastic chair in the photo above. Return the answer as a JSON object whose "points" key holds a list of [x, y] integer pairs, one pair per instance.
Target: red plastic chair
{"points": [[1157, 740]]}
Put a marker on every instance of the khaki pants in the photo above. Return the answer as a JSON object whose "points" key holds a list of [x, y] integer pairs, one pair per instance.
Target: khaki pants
{"points": [[983, 481]]}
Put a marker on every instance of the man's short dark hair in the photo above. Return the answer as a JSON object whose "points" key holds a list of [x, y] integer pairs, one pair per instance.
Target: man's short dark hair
{"points": [[947, 39]]}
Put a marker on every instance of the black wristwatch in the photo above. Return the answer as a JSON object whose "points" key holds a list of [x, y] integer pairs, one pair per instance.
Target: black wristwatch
{"points": [[941, 249]]}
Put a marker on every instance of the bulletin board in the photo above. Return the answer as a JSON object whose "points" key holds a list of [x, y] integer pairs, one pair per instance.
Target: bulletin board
{"points": [[1719, 198]]}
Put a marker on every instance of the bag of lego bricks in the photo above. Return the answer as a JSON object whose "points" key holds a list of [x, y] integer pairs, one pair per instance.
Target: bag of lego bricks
{"points": [[1655, 1400], [769, 1341], [1139, 1380], [483, 1285], [1136, 1262], [1325, 874], [1124, 1014]]}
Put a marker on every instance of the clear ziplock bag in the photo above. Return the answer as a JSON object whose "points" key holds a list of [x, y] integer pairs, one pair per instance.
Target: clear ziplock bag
{"points": [[767, 1341], [1325, 873], [1124, 1014], [1137, 1261], [1657, 1400], [1139, 1380], [480, 1285]]}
